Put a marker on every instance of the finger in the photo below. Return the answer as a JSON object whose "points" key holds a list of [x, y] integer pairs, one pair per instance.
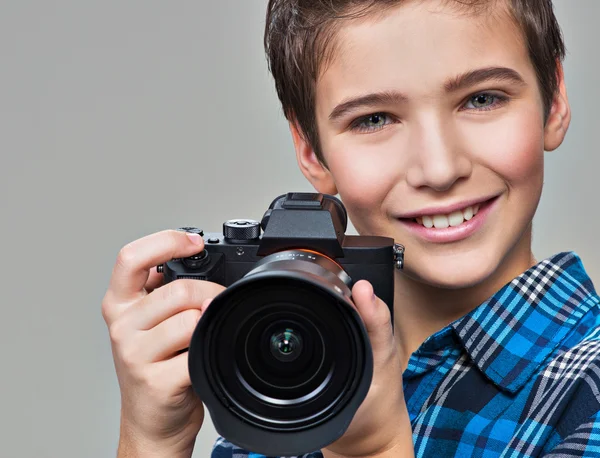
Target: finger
{"points": [[169, 337], [164, 302], [135, 259], [376, 317], [206, 303], [155, 280], [177, 371], [131, 270]]}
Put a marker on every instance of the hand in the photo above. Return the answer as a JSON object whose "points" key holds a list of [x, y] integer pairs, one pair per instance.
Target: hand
{"points": [[381, 426], [150, 329]]}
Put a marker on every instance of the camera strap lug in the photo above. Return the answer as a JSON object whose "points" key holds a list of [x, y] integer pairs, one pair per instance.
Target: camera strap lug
{"points": [[399, 256]]}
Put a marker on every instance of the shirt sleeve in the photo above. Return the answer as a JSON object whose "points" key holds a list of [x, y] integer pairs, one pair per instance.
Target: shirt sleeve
{"points": [[583, 442], [225, 449]]}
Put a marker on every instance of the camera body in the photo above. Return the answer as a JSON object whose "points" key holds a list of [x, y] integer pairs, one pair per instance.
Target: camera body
{"points": [[294, 220], [281, 358]]}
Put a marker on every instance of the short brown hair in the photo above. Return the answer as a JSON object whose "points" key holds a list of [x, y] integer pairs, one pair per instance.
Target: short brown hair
{"points": [[299, 37]]}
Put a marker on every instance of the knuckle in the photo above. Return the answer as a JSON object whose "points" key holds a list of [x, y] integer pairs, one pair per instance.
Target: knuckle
{"points": [[386, 315], [117, 332], [174, 236], [173, 240], [188, 320], [129, 356], [179, 292], [126, 255], [105, 308]]}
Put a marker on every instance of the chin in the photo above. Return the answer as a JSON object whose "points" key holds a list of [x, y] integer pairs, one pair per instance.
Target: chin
{"points": [[453, 271]]}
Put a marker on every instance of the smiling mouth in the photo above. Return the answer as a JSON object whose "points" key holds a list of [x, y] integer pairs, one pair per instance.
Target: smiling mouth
{"points": [[453, 219]]}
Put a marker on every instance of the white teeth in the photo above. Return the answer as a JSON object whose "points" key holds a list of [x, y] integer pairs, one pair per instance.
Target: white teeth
{"points": [[453, 219], [468, 213], [456, 218], [440, 221]]}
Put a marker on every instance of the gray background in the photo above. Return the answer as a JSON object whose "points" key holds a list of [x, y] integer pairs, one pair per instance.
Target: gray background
{"points": [[118, 119]]}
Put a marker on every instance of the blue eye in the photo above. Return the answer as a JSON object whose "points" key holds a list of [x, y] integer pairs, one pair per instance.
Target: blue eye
{"points": [[484, 101], [371, 122]]}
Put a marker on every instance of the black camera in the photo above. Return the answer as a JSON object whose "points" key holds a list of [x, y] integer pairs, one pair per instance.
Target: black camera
{"points": [[281, 358]]}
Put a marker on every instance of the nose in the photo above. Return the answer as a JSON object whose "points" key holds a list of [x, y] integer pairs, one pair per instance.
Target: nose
{"points": [[437, 160]]}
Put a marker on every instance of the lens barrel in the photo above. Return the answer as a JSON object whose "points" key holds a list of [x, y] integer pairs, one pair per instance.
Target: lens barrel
{"points": [[281, 358]]}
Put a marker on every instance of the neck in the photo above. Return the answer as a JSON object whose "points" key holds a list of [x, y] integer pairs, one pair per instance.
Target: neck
{"points": [[421, 310]]}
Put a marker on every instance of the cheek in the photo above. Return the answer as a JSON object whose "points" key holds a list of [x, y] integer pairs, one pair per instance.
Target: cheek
{"points": [[359, 182], [516, 150], [363, 179]]}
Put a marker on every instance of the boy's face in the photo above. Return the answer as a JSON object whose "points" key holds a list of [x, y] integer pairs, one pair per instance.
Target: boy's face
{"points": [[451, 125]]}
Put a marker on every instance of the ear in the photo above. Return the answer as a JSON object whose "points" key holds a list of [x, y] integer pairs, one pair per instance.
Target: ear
{"points": [[559, 117], [312, 168]]}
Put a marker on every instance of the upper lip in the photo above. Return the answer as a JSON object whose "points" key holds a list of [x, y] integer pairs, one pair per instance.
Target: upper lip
{"points": [[447, 209]]}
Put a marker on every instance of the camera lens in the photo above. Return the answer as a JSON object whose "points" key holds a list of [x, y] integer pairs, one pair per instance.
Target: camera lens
{"points": [[286, 349], [283, 350], [286, 345]]}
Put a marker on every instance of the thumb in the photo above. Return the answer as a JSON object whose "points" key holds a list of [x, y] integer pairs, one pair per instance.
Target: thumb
{"points": [[377, 319]]}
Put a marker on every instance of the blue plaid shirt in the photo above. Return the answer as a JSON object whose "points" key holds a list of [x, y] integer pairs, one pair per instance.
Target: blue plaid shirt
{"points": [[519, 376]]}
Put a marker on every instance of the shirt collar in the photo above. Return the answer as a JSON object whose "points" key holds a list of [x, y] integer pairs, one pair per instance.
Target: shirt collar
{"points": [[511, 334]]}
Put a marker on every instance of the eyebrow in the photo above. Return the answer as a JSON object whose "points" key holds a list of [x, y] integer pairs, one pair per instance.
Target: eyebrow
{"points": [[455, 84], [369, 100], [481, 75]]}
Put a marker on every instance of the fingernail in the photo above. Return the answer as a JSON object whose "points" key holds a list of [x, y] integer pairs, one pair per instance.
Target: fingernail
{"points": [[195, 238]]}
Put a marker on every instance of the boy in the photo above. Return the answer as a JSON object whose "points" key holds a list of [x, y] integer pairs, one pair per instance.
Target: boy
{"points": [[430, 119]]}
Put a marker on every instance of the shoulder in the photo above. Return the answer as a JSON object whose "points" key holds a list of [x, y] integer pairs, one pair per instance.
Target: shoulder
{"points": [[569, 384], [577, 357]]}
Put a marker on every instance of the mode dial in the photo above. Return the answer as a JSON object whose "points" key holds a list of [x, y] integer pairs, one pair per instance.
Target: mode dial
{"points": [[193, 230], [241, 229]]}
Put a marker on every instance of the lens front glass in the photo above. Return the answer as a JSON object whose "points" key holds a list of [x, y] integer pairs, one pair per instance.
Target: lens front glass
{"points": [[276, 365], [286, 345], [285, 352]]}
